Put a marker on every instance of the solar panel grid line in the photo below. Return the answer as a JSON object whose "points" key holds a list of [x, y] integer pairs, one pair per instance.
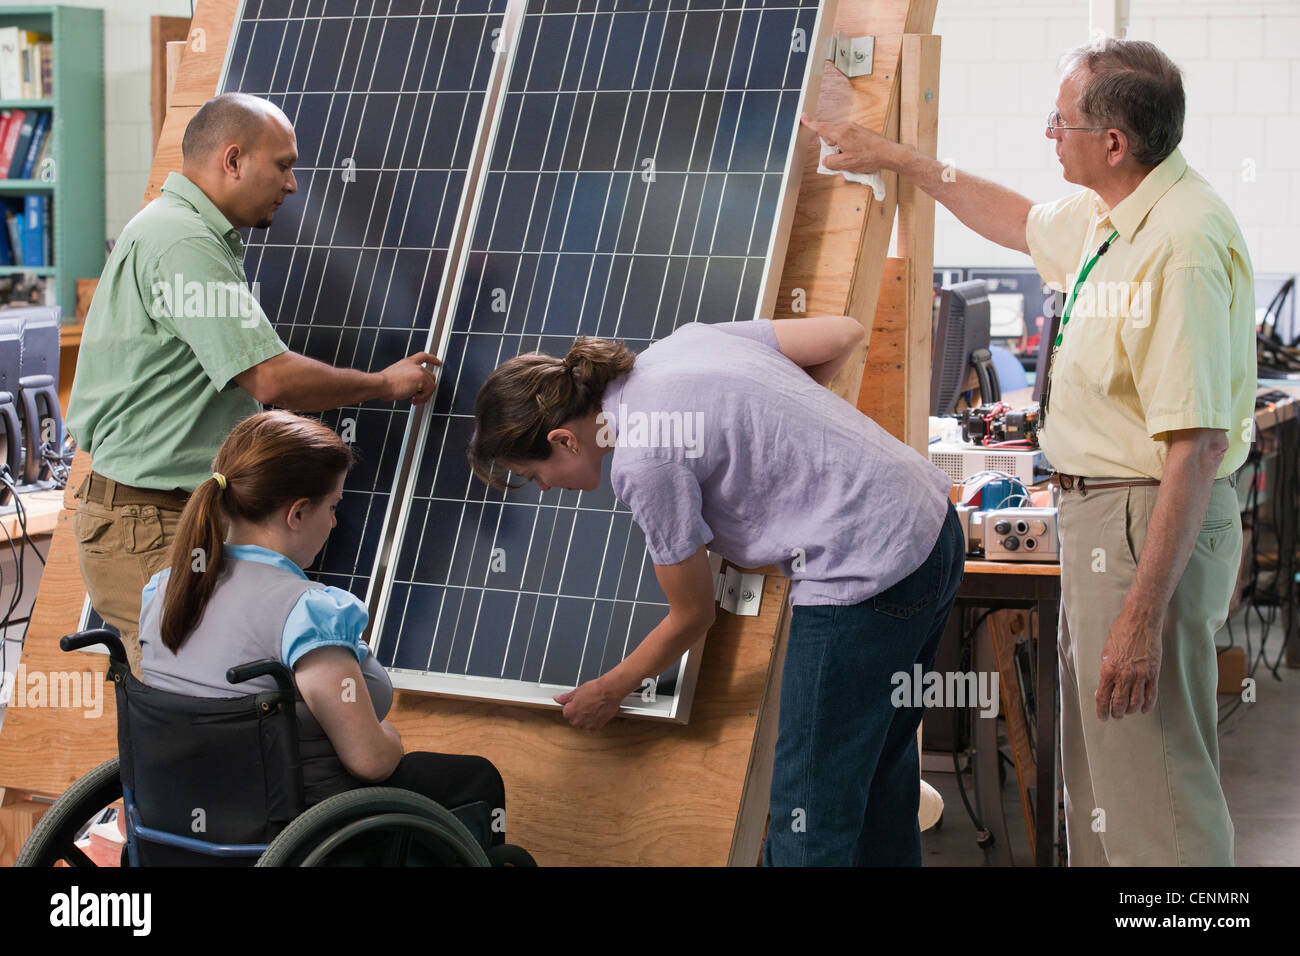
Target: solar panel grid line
{"points": [[713, 237], [501, 512], [293, 255], [440, 331], [582, 154], [513, 143], [378, 291], [685, 178], [460, 521], [654, 332], [326, 554], [768, 154], [627, 192], [546, 308], [627, 635], [412, 422]]}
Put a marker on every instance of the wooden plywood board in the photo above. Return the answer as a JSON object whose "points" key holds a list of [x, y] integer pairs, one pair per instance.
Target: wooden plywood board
{"points": [[633, 792], [884, 377], [162, 31], [919, 128]]}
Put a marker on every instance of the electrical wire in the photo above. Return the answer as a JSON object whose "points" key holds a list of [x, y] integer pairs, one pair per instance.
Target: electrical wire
{"points": [[957, 713]]}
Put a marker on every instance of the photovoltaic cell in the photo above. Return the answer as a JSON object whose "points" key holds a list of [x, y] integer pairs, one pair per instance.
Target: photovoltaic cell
{"points": [[633, 185], [385, 97]]}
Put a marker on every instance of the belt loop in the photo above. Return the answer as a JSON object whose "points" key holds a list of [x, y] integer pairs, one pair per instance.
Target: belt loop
{"points": [[1083, 489], [110, 486]]}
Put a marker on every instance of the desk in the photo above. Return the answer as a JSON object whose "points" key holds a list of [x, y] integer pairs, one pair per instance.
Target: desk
{"points": [[42, 513], [1004, 584], [1008, 585]]}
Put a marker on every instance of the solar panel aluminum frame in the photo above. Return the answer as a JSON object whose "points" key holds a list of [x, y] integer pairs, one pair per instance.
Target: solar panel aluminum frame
{"points": [[674, 707]]}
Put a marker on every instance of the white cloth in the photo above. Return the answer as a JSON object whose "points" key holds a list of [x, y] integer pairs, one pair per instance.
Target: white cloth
{"points": [[874, 180]]}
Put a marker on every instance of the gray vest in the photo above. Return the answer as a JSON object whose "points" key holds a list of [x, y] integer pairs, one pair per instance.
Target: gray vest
{"points": [[243, 622]]}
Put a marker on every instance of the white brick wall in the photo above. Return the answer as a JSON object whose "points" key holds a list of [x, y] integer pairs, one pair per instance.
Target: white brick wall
{"points": [[1241, 65]]}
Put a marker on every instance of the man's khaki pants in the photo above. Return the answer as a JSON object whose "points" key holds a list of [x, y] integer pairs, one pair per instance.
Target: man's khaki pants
{"points": [[120, 547], [1143, 790]]}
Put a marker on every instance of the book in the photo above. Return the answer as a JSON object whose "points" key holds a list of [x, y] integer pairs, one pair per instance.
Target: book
{"points": [[6, 251], [28, 45], [47, 232], [47, 70], [33, 231], [11, 76], [20, 148], [6, 117], [10, 143], [14, 226], [44, 169], [38, 135]]}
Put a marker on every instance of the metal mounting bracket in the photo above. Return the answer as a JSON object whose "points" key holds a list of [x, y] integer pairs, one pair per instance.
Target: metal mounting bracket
{"points": [[852, 56]]}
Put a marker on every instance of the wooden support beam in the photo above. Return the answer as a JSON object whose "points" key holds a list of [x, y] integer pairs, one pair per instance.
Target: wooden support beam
{"points": [[918, 128]]}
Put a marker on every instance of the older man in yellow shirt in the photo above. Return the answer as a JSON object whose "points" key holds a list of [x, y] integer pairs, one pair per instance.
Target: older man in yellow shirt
{"points": [[1149, 412]]}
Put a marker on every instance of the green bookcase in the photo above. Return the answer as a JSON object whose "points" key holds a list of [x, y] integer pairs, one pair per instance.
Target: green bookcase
{"points": [[77, 114]]}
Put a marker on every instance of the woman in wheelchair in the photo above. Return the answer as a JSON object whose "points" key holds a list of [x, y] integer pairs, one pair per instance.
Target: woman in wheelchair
{"points": [[236, 592]]}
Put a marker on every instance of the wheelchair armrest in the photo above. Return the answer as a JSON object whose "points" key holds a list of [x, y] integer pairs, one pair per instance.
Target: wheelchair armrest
{"points": [[100, 635], [242, 672]]}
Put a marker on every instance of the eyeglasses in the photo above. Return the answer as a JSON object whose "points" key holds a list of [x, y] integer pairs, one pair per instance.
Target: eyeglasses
{"points": [[1054, 122]]}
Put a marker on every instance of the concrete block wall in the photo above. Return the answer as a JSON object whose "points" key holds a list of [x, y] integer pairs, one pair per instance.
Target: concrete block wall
{"points": [[1241, 65]]}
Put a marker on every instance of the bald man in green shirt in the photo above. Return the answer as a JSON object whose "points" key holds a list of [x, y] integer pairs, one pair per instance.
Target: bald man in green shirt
{"points": [[176, 351]]}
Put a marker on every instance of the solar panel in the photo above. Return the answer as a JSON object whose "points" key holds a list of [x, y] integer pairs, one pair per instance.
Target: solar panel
{"points": [[636, 176], [385, 97]]}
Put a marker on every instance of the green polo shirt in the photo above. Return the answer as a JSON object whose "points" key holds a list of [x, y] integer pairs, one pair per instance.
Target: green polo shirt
{"points": [[171, 324]]}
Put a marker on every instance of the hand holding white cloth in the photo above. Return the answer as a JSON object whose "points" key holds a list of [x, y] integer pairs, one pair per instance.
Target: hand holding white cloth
{"points": [[874, 180]]}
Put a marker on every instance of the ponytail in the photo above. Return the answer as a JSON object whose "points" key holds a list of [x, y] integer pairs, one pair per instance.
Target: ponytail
{"points": [[528, 396], [268, 460]]}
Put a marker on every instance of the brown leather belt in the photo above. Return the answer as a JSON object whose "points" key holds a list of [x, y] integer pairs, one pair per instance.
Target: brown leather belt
{"points": [[1084, 485], [110, 493]]}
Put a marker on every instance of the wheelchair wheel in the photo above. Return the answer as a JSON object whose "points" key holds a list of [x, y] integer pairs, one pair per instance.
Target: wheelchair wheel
{"points": [[51, 839], [375, 826]]}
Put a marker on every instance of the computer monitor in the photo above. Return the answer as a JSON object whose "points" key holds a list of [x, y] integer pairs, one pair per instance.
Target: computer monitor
{"points": [[37, 391], [11, 350], [961, 342], [1050, 327]]}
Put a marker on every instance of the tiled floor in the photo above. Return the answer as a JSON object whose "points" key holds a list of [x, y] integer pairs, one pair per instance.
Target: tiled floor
{"points": [[1259, 747]]}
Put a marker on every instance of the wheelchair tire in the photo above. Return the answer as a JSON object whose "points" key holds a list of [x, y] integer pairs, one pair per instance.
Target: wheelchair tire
{"points": [[328, 828], [51, 839]]}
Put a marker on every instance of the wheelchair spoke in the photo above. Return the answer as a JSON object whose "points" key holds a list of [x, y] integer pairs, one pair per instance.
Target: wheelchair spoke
{"points": [[398, 847], [73, 856]]}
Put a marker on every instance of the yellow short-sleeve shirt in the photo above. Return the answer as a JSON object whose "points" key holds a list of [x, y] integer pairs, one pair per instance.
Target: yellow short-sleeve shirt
{"points": [[1162, 334]]}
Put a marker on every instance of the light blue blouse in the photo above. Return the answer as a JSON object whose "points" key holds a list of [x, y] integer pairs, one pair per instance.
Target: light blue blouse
{"points": [[323, 617]]}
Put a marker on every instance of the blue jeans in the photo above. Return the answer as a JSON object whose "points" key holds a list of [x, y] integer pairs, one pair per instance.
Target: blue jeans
{"points": [[845, 785]]}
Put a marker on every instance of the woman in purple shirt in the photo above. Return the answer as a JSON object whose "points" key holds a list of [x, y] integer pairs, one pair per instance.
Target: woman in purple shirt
{"points": [[724, 435]]}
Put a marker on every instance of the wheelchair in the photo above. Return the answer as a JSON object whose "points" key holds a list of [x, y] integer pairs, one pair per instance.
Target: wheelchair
{"points": [[218, 782]]}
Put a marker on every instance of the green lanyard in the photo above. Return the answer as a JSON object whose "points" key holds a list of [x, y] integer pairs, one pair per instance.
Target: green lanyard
{"points": [[1087, 268], [1065, 319]]}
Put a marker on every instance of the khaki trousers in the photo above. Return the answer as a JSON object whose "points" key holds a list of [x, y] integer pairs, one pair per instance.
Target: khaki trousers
{"points": [[119, 548], [1143, 790]]}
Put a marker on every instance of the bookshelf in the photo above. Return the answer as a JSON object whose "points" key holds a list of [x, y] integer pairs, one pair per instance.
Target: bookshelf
{"points": [[77, 124]]}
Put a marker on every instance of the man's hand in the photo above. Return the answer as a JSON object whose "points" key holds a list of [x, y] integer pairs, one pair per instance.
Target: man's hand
{"points": [[861, 150], [409, 378], [995, 212], [1130, 667], [591, 705]]}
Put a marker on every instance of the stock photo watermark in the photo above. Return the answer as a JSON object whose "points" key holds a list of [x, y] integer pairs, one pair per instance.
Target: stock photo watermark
{"points": [[73, 690], [637, 429]]}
